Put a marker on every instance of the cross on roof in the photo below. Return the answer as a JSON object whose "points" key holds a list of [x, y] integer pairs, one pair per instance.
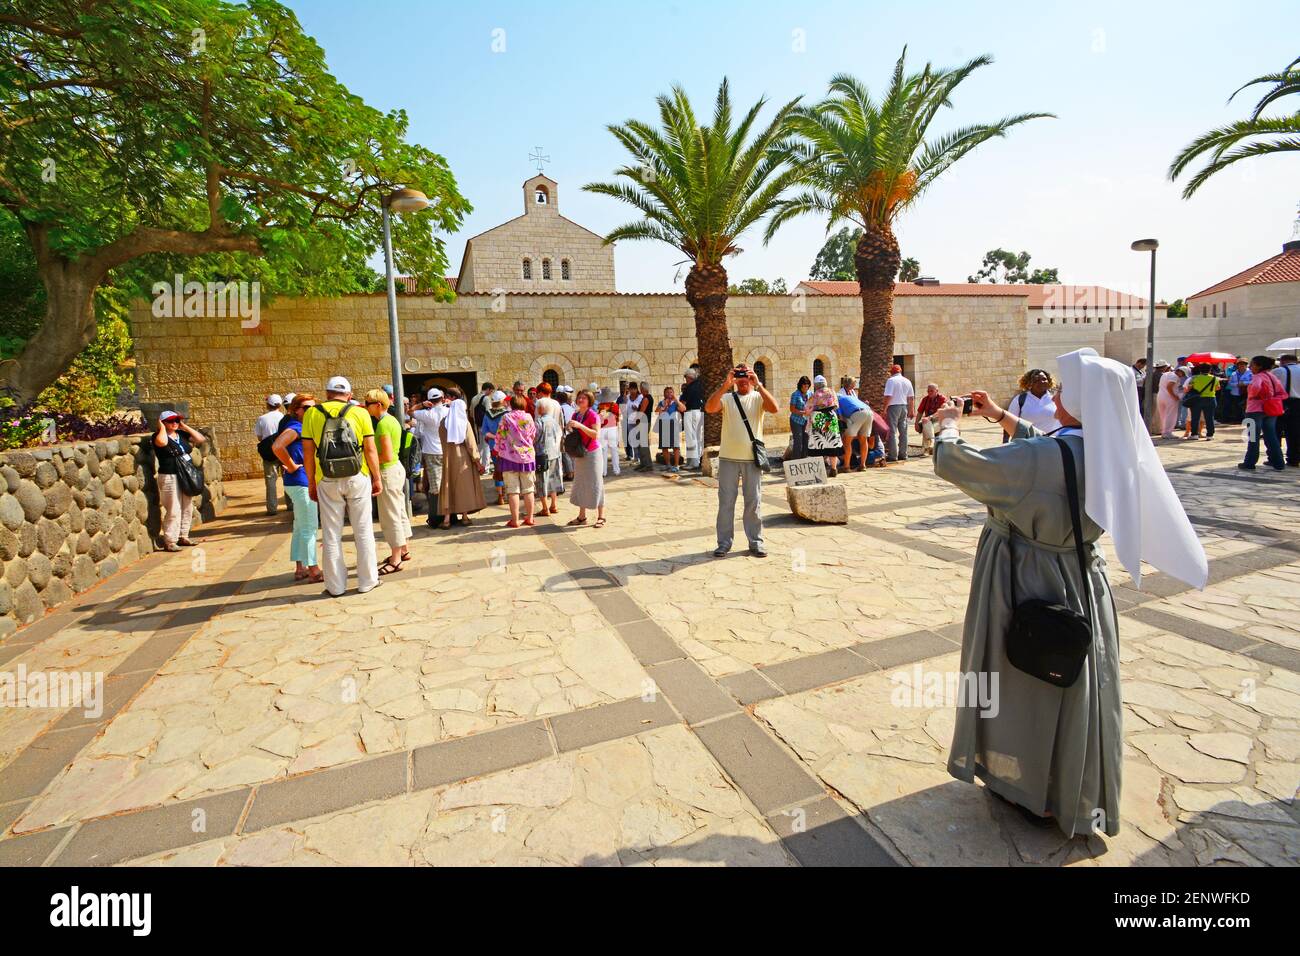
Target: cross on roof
{"points": [[537, 157]]}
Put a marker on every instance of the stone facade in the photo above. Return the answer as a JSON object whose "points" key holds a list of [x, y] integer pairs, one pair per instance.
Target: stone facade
{"points": [[540, 251], [71, 515], [224, 371]]}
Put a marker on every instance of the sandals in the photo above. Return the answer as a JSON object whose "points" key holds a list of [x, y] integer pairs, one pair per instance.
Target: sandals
{"points": [[529, 523], [554, 510], [600, 523], [576, 522], [512, 524], [389, 568]]}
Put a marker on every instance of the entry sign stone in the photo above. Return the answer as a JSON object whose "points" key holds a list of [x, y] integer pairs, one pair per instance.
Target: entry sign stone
{"points": [[805, 471]]}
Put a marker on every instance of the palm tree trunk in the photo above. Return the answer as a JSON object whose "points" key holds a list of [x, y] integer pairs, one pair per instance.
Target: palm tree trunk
{"points": [[876, 259], [706, 291]]}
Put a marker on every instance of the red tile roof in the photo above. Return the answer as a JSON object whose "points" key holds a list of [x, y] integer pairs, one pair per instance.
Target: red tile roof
{"points": [[1283, 267]]}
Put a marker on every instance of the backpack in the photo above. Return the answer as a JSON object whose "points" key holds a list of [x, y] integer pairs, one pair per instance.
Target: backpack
{"points": [[264, 445], [339, 449]]}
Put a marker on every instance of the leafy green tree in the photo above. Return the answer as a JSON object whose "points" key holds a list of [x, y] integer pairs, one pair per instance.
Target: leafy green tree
{"points": [[835, 260], [758, 287], [909, 270], [1177, 309], [698, 187], [866, 160], [138, 134], [1257, 135], [1002, 266]]}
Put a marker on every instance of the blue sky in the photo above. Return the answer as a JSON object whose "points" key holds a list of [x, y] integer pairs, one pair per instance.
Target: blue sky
{"points": [[1131, 84]]}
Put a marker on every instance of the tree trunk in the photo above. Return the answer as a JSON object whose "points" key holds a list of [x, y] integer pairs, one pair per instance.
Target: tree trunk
{"points": [[706, 291], [68, 328], [876, 260]]}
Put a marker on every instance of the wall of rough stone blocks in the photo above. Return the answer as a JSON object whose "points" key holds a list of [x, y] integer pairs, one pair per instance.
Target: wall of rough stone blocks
{"points": [[225, 372], [72, 515]]}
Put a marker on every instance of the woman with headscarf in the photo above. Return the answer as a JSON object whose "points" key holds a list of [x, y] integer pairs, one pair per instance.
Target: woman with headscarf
{"points": [[461, 491], [824, 438], [1055, 750]]}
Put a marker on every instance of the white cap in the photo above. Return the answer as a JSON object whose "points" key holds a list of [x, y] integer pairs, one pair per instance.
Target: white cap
{"points": [[819, 379], [498, 397], [288, 399], [435, 393], [566, 389], [338, 384], [169, 415], [272, 401]]}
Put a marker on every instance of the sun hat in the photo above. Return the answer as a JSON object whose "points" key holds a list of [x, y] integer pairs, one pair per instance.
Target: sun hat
{"points": [[498, 397], [606, 396], [338, 384], [819, 380], [169, 415]]}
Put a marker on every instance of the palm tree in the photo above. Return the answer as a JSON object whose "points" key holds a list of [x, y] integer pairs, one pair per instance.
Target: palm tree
{"points": [[698, 188], [1256, 136], [866, 161]]}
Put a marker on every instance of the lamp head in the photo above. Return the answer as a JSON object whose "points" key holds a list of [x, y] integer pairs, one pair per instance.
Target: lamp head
{"points": [[407, 200], [1145, 245]]}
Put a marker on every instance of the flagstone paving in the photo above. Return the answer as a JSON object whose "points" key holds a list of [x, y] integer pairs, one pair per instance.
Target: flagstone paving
{"points": [[617, 696]]}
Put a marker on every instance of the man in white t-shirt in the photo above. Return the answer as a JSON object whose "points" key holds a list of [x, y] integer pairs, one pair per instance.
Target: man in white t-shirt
{"points": [[267, 425], [736, 466], [428, 417], [900, 407]]}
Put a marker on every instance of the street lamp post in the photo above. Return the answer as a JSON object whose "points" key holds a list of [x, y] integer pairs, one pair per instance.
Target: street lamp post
{"points": [[1148, 393], [403, 200]]}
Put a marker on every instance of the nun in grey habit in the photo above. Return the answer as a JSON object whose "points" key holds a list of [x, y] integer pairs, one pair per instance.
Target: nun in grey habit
{"points": [[1057, 752]]}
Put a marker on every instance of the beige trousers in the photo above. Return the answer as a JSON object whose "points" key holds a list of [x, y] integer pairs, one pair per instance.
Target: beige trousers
{"points": [[177, 509]]}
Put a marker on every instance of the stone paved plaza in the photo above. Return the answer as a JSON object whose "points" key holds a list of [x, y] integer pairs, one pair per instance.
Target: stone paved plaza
{"points": [[617, 696]]}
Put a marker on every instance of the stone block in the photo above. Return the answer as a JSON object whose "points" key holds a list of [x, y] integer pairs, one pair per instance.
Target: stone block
{"points": [[12, 515], [31, 499], [824, 504], [45, 475]]}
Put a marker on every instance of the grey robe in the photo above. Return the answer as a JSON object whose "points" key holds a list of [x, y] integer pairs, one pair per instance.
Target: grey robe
{"points": [[1049, 749]]}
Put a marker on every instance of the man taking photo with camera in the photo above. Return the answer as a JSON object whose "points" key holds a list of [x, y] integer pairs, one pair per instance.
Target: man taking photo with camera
{"points": [[742, 444]]}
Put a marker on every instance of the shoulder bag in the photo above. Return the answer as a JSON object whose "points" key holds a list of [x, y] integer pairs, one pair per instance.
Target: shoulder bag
{"points": [[756, 446], [1046, 639]]}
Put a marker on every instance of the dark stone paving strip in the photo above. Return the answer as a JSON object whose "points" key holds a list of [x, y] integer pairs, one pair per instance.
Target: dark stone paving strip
{"points": [[450, 761], [904, 649], [44, 759], [326, 791], [32, 849], [625, 718], [649, 643], [695, 696], [817, 670], [822, 834], [1195, 630], [1276, 655], [111, 840], [750, 687], [761, 768]]}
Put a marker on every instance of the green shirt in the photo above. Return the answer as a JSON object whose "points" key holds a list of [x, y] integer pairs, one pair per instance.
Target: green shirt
{"points": [[1204, 385], [387, 425], [313, 424]]}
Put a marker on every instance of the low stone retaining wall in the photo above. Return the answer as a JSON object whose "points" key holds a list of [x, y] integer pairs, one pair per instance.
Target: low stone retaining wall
{"points": [[72, 515]]}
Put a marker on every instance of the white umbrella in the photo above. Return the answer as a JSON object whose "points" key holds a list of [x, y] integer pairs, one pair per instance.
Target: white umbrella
{"points": [[627, 374], [1285, 345]]}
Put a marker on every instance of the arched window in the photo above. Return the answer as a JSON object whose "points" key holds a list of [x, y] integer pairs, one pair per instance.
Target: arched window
{"points": [[528, 268], [565, 273], [552, 378], [760, 369], [819, 367], [546, 268]]}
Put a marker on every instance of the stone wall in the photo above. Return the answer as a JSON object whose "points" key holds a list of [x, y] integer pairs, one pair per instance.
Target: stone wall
{"points": [[72, 515], [225, 371]]}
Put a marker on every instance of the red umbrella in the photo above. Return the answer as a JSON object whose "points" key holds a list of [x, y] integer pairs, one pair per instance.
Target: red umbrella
{"points": [[1212, 358]]}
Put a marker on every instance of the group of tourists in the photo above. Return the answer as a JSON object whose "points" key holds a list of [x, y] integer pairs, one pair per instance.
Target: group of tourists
{"points": [[842, 428], [1262, 393]]}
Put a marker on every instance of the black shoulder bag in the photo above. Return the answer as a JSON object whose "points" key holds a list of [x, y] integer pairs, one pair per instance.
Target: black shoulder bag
{"points": [[756, 446], [1047, 640]]}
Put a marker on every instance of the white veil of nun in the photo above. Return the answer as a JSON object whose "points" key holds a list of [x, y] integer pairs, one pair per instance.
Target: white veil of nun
{"points": [[457, 422], [1126, 489]]}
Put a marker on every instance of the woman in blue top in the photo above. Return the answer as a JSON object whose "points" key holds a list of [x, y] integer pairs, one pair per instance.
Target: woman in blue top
{"points": [[287, 448], [798, 420]]}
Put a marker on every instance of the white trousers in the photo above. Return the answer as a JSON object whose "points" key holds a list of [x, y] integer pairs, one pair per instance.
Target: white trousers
{"points": [[693, 436], [609, 442], [337, 496], [177, 509]]}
